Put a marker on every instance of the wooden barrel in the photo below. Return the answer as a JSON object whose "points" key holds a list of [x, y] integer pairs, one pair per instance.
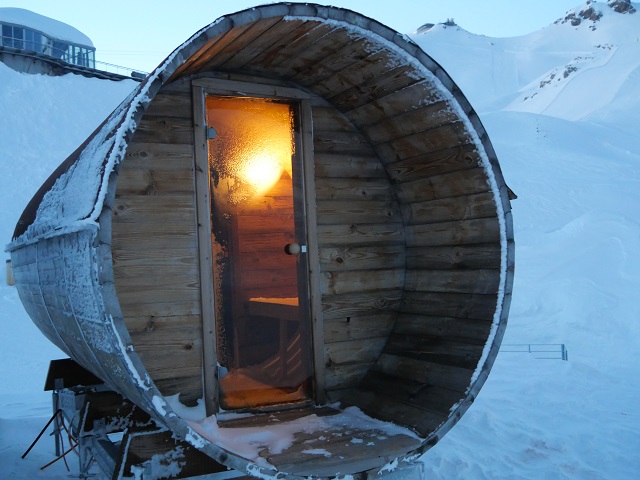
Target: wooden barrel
{"points": [[133, 254]]}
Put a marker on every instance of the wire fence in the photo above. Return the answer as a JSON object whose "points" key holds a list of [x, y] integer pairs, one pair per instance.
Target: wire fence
{"points": [[542, 351]]}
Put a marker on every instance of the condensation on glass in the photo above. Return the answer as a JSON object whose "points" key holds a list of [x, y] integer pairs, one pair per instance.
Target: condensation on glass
{"points": [[260, 291]]}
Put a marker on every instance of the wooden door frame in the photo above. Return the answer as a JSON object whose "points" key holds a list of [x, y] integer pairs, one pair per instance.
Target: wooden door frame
{"points": [[201, 87]]}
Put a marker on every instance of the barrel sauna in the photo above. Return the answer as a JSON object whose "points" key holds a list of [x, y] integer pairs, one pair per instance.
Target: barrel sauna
{"points": [[298, 210]]}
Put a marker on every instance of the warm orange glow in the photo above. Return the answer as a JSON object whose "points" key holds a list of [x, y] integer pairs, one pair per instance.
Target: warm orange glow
{"points": [[262, 172], [253, 146]]}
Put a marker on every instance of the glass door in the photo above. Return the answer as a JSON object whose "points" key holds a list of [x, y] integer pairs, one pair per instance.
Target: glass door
{"points": [[263, 328]]}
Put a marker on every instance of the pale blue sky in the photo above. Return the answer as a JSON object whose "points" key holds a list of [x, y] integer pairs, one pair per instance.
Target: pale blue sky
{"points": [[141, 33]]}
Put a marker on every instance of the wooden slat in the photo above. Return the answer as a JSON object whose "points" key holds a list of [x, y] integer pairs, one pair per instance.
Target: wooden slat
{"points": [[157, 276], [188, 388], [470, 331], [346, 376], [430, 398], [353, 189], [485, 255], [170, 105], [168, 258], [206, 54], [446, 376], [336, 165], [307, 50], [362, 258], [238, 44], [464, 207], [434, 350], [464, 182], [134, 307], [396, 102], [163, 156], [371, 66], [286, 47], [353, 234], [354, 351], [391, 80], [338, 283], [459, 305], [388, 408], [155, 209], [462, 232], [358, 327], [413, 122], [359, 304], [345, 143], [339, 57], [350, 212], [162, 446], [327, 118], [154, 181], [154, 235], [164, 130], [454, 281], [434, 140], [269, 40], [144, 295], [433, 163]]}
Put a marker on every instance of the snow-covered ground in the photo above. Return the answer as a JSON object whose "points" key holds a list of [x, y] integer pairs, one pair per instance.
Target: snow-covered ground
{"points": [[568, 146]]}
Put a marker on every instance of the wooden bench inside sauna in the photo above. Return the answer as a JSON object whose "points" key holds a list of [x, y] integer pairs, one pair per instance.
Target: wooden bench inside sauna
{"points": [[297, 215]]}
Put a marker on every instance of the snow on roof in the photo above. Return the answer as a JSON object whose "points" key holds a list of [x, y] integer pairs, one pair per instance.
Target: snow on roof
{"points": [[48, 26]]}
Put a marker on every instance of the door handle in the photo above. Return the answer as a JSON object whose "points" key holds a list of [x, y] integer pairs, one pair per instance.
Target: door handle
{"points": [[294, 248]]}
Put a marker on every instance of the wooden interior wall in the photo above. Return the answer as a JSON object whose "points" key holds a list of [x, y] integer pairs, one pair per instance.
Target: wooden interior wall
{"points": [[452, 258], [361, 248], [154, 245], [263, 269]]}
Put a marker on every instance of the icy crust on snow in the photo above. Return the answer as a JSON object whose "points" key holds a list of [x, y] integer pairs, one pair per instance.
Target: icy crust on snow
{"points": [[249, 442], [46, 25]]}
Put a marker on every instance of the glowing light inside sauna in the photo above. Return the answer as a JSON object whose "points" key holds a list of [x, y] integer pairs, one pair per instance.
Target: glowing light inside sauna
{"points": [[253, 145], [262, 172]]}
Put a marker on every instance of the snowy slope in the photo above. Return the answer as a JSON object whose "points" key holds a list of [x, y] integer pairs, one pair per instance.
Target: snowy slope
{"points": [[562, 70], [574, 161]]}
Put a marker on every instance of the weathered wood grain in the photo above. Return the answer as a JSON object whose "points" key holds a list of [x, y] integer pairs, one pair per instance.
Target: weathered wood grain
{"points": [[437, 139], [341, 282], [398, 101], [353, 189], [470, 331], [361, 234], [359, 327], [413, 122], [362, 258], [464, 182], [164, 130], [460, 232], [459, 305], [462, 207], [173, 104], [454, 281], [162, 156], [344, 143], [358, 212], [435, 350], [329, 165], [387, 82], [358, 304], [424, 371]]}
